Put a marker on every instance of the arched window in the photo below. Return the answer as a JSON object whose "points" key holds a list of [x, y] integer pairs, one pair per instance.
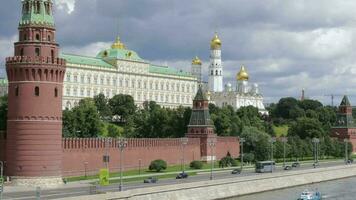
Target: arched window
{"points": [[25, 37], [37, 91], [49, 38], [38, 7], [21, 52], [16, 90], [37, 36], [52, 55], [212, 72], [37, 52], [216, 72], [55, 92]]}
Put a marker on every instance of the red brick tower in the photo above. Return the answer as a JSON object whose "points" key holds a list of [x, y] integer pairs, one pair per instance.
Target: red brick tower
{"points": [[345, 126], [201, 126], [35, 74]]}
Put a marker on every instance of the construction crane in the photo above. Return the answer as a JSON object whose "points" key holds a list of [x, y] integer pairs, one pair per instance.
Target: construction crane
{"points": [[336, 95]]}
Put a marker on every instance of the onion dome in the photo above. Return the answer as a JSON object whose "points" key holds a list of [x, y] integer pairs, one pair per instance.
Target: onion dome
{"points": [[196, 61], [118, 44], [215, 42], [242, 75]]}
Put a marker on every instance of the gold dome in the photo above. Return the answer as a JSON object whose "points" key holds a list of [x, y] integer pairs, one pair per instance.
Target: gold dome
{"points": [[215, 42], [196, 61], [118, 44], [242, 75]]}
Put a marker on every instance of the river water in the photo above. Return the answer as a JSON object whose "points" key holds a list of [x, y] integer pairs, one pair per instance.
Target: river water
{"points": [[343, 189]]}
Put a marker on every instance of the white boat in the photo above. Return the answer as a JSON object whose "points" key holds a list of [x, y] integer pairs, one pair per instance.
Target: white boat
{"points": [[310, 195]]}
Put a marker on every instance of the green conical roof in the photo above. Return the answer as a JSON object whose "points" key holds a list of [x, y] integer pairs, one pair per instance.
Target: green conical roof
{"points": [[345, 101], [37, 14], [200, 96]]}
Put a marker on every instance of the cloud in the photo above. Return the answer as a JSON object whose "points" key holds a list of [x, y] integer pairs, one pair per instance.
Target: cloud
{"points": [[88, 50], [6, 50], [67, 5]]}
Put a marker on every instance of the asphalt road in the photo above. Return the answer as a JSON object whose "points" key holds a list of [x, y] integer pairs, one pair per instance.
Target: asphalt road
{"points": [[85, 190]]}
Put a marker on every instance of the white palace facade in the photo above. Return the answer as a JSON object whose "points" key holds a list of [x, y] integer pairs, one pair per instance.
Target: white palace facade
{"points": [[117, 70]]}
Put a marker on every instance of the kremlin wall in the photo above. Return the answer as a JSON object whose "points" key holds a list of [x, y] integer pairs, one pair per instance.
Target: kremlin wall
{"points": [[85, 155]]}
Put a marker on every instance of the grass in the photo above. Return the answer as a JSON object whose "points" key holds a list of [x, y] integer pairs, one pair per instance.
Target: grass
{"points": [[136, 172], [281, 130], [140, 179]]}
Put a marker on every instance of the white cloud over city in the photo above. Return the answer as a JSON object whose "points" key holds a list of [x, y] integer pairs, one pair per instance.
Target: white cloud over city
{"points": [[285, 45]]}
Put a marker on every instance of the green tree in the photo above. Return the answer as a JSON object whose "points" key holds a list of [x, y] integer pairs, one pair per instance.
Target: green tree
{"points": [[257, 142], [284, 106], [3, 112], [114, 131], [122, 106], [158, 165], [309, 104], [307, 128], [82, 121], [102, 104]]}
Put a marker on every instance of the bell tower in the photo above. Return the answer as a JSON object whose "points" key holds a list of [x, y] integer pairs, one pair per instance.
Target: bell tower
{"points": [[35, 74], [215, 81]]}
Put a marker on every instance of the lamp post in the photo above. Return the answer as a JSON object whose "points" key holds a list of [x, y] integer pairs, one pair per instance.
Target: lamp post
{"points": [[346, 153], [184, 141], [242, 140], [107, 159], [211, 143], [122, 143], [85, 169], [284, 140], [1, 178], [272, 140], [315, 141]]}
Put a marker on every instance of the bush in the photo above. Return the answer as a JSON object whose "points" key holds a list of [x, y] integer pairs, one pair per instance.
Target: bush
{"points": [[158, 165], [249, 157], [227, 161], [196, 164]]}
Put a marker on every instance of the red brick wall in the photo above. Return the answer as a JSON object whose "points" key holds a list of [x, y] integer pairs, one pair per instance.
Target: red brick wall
{"points": [[227, 144], [78, 151]]}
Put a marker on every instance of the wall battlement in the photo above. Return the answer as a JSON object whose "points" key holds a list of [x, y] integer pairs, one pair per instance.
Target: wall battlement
{"points": [[35, 59]]}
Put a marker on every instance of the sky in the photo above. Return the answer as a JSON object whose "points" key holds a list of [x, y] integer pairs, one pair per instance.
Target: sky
{"points": [[286, 45]]}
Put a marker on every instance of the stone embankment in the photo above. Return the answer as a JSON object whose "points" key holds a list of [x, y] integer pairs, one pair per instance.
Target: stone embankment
{"points": [[232, 187]]}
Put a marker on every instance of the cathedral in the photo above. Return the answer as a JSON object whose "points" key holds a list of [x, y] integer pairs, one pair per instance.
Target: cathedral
{"points": [[244, 94]]}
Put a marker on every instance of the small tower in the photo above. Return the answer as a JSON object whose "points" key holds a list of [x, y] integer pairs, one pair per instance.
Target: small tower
{"points": [[196, 68], [35, 74], [215, 68], [200, 124], [242, 80], [345, 126]]}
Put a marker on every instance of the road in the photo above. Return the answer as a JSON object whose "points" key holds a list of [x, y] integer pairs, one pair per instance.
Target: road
{"points": [[85, 190], [343, 189]]}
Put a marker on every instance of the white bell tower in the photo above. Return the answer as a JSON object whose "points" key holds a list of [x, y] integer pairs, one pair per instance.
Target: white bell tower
{"points": [[215, 68]]}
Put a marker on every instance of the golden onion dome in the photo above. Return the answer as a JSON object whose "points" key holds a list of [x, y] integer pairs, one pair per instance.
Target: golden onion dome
{"points": [[196, 61], [118, 44], [215, 42], [242, 75]]}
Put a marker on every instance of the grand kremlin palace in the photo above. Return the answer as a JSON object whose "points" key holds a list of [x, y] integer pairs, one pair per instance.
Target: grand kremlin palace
{"points": [[117, 70]]}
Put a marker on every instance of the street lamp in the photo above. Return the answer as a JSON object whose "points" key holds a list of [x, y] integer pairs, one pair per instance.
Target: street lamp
{"points": [[242, 140], [316, 142], [1, 178], [107, 159], [122, 143], [184, 141], [346, 152], [284, 140], [272, 140], [85, 169], [211, 143]]}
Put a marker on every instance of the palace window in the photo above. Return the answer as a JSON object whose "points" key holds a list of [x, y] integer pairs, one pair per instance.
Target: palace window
{"points": [[49, 38], [89, 79], [108, 81], [88, 93], [82, 79], [114, 81], [75, 78], [68, 91], [102, 81]]}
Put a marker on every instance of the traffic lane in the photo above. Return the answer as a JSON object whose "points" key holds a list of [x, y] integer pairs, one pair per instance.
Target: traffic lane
{"points": [[52, 194]]}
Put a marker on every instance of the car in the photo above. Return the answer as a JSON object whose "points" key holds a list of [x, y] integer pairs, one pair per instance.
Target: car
{"points": [[349, 161], [182, 175], [296, 164], [315, 165], [287, 167], [236, 171], [150, 180]]}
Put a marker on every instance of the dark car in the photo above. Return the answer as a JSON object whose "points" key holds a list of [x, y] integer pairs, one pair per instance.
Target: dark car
{"points": [[150, 180], [349, 161], [315, 165], [296, 164], [288, 167], [236, 171], [182, 175]]}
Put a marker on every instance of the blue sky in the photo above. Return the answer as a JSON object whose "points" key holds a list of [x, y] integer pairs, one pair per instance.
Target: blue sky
{"points": [[286, 45]]}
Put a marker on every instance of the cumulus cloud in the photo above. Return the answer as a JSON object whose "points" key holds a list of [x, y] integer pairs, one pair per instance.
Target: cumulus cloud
{"points": [[67, 5], [285, 45]]}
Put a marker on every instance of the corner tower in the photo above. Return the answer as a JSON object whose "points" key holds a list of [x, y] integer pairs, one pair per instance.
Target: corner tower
{"points": [[200, 124], [215, 68], [35, 74]]}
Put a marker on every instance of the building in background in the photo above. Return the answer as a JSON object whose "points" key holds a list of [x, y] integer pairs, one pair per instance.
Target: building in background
{"points": [[3, 86], [244, 94], [118, 70]]}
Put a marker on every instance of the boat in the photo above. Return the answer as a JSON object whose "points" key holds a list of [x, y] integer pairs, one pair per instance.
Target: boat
{"points": [[310, 195]]}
